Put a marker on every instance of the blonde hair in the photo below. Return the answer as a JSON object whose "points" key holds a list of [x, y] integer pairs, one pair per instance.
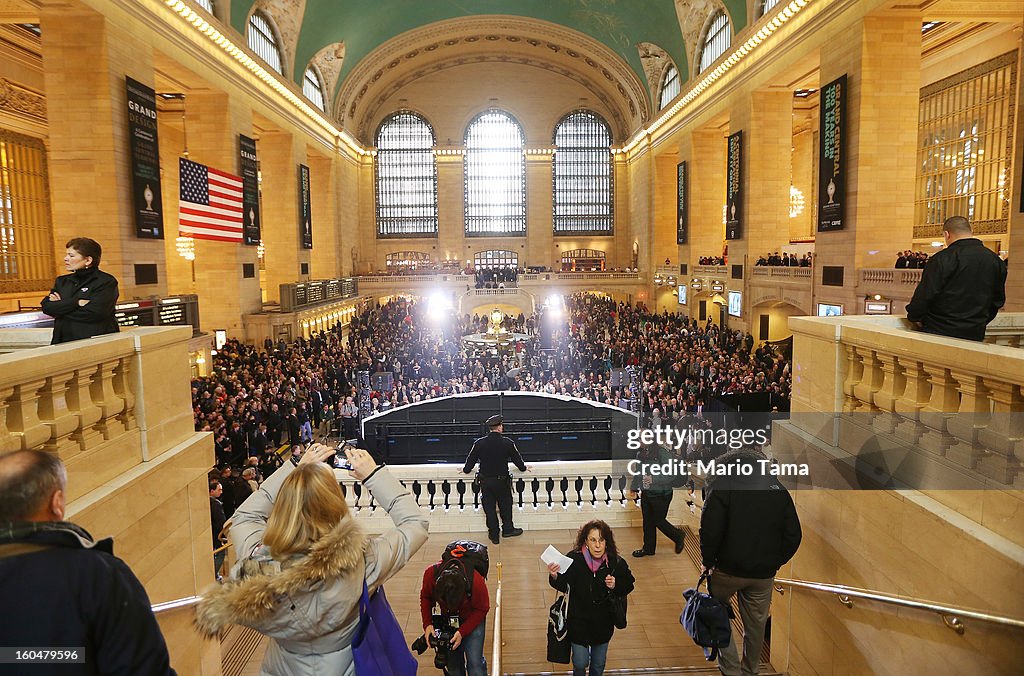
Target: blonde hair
{"points": [[309, 505]]}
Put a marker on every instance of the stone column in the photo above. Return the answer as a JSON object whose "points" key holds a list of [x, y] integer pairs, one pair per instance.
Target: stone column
{"points": [[85, 60], [540, 241], [323, 261], [451, 235], [882, 107], [214, 121], [1015, 273], [280, 156]]}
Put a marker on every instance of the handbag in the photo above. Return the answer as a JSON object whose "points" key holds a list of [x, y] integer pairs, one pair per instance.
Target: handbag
{"points": [[619, 606], [559, 649], [706, 620], [378, 645]]}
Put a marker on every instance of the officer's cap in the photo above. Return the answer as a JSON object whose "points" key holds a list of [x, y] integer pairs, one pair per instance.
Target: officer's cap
{"points": [[494, 421]]}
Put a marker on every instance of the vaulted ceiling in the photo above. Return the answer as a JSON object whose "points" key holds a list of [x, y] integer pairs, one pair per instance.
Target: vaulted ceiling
{"points": [[363, 26]]}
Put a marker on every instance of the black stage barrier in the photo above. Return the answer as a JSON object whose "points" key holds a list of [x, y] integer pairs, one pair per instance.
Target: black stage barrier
{"points": [[544, 427]]}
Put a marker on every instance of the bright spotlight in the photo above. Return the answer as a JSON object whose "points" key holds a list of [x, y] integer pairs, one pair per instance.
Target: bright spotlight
{"points": [[439, 305]]}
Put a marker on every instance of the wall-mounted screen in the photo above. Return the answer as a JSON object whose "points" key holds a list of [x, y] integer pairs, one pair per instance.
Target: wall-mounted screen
{"points": [[827, 310], [682, 294], [735, 304]]}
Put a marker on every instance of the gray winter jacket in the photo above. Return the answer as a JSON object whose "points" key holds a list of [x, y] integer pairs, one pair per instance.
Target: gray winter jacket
{"points": [[309, 606]]}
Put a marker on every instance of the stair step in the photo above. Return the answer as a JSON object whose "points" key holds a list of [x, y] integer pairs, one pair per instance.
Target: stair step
{"points": [[765, 670]]}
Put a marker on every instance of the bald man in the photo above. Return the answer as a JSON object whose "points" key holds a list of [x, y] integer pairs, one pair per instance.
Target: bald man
{"points": [[62, 590], [962, 287]]}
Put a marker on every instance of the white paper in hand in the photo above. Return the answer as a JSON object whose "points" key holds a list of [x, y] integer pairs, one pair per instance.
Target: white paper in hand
{"points": [[552, 555]]}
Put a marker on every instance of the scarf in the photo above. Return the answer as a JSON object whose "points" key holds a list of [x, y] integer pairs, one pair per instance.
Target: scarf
{"points": [[593, 563]]}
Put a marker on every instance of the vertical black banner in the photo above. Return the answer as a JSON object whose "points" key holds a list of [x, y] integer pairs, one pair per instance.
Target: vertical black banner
{"points": [[682, 203], [145, 152], [734, 187], [831, 159], [249, 172], [305, 211]]}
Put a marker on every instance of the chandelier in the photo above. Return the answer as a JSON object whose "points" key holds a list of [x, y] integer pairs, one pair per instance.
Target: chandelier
{"points": [[186, 248], [796, 202]]}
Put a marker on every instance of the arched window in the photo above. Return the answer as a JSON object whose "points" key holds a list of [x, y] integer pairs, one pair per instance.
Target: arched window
{"points": [[669, 87], [583, 260], [206, 4], [404, 261], [495, 176], [262, 40], [716, 40], [581, 175], [495, 259], [406, 177], [312, 88], [767, 5]]}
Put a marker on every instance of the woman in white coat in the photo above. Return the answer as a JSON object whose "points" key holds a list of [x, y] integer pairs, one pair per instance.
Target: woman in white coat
{"points": [[303, 559]]}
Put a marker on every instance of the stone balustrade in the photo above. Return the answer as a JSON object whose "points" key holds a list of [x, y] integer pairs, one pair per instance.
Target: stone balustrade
{"points": [[717, 271], [781, 272], [950, 411], [553, 495]]}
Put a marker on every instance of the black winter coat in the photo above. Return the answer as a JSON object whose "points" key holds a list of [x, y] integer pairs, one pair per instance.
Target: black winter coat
{"points": [[75, 322], [590, 611], [749, 526], [961, 290], [76, 593]]}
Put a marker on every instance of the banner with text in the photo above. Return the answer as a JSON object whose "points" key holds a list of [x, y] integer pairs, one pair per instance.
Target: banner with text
{"points": [[734, 187], [249, 169], [682, 213], [831, 174], [305, 210], [145, 152]]}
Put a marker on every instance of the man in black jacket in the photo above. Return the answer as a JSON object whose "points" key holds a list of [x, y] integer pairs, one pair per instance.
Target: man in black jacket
{"points": [[962, 287], [63, 590], [749, 528]]}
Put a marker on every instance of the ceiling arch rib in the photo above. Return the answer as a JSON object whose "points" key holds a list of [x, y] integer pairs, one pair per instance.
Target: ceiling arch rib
{"points": [[492, 39]]}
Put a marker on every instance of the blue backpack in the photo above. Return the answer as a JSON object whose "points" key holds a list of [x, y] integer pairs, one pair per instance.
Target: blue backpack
{"points": [[706, 620]]}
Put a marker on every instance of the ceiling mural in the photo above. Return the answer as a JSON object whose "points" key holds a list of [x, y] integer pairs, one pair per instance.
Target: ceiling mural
{"points": [[364, 25]]}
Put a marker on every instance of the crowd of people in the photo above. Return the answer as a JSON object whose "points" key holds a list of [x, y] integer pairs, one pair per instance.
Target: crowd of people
{"points": [[497, 278], [711, 260], [911, 259], [789, 260], [257, 400]]}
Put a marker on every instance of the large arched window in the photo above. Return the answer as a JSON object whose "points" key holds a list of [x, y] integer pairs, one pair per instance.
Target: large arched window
{"points": [[495, 259], [206, 4], [313, 88], [406, 177], [717, 39], [581, 182], [495, 176], [669, 87], [262, 40]]}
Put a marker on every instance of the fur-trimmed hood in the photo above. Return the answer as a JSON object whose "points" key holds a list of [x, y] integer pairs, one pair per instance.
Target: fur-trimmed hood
{"points": [[254, 597]]}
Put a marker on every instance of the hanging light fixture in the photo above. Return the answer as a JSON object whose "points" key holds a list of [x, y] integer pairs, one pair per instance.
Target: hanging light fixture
{"points": [[186, 248], [796, 202]]}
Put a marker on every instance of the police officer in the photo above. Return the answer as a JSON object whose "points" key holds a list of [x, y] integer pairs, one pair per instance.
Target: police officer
{"points": [[494, 452]]}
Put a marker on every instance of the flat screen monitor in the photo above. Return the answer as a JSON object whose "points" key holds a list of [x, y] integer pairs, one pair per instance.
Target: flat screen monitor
{"points": [[828, 310], [735, 304], [682, 294]]}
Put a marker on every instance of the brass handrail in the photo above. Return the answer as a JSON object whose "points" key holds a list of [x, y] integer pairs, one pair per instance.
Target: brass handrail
{"points": [[951, 617], [496, 652], [175, 604]]}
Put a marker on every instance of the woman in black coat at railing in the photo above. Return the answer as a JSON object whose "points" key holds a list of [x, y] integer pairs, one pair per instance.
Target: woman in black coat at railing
{"points": [[596, 574], [82, 302]]}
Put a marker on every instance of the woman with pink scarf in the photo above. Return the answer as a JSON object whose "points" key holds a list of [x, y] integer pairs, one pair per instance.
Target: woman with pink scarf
{"points": [[596, 575]]}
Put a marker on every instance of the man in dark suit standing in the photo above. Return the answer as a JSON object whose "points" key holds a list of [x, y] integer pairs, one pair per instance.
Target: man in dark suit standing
{"points": [[494, 452]]}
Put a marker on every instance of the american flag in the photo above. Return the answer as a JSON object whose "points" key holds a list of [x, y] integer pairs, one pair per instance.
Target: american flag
{"points": [[210, 205]]}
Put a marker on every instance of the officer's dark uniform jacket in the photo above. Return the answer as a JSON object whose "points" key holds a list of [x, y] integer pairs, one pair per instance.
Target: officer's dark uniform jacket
{"points": [[60, 589], [960, 292], [75, 322], [494, 452]]}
